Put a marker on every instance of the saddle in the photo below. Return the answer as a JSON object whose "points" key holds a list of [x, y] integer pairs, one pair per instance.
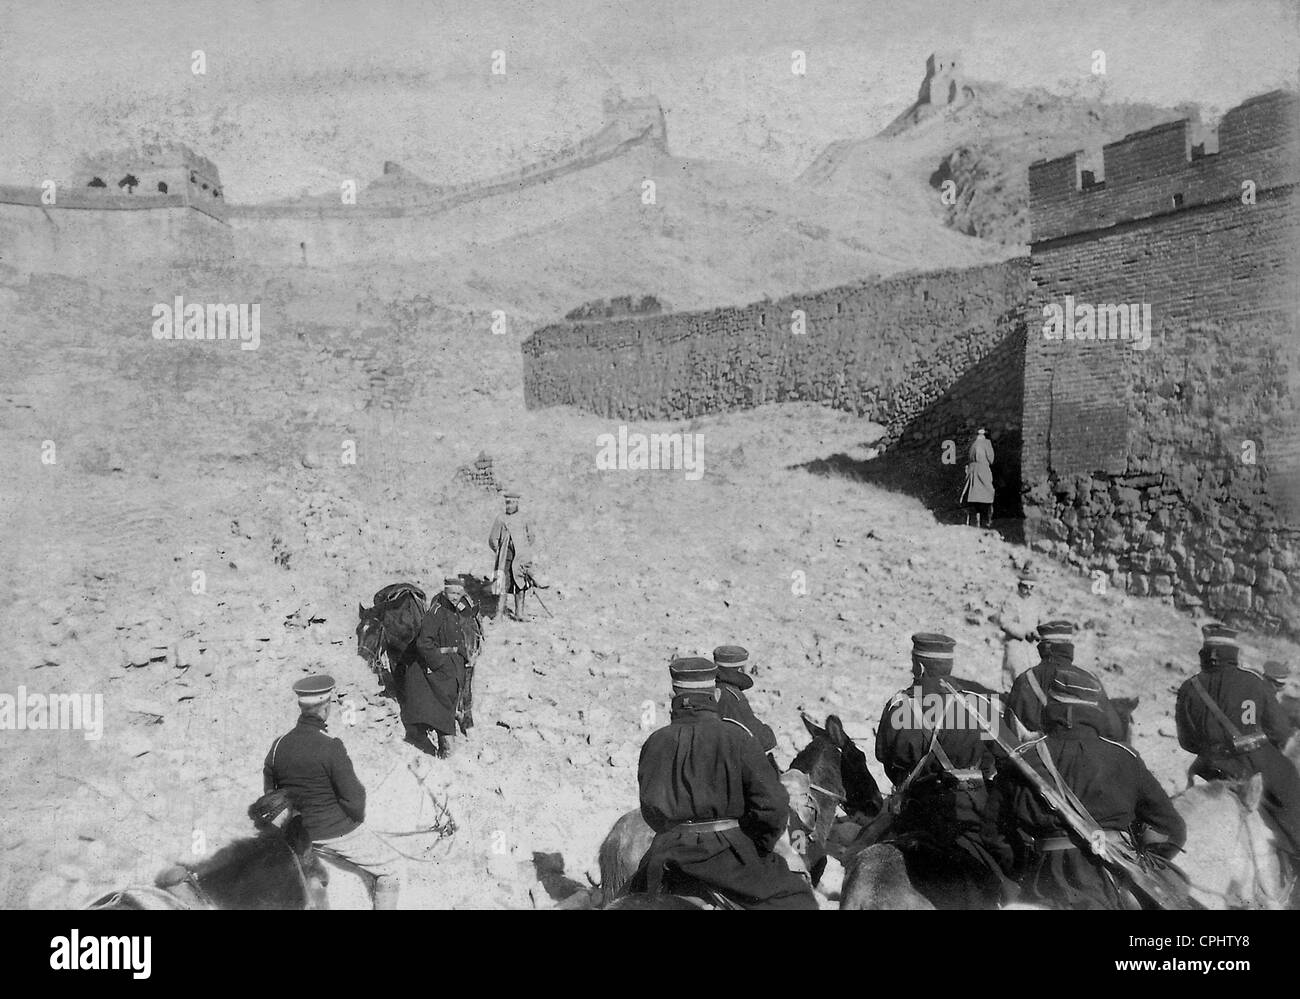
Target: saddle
{"points": [[401, 608], [676, 882]]}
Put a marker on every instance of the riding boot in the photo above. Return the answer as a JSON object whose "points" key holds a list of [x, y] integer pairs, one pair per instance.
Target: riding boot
{"points": [[519, 605], [446, 746]]}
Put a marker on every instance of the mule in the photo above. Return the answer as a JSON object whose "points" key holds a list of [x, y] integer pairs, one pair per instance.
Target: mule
{"points": [[1231, 858], [273, 870], [816, 783]]}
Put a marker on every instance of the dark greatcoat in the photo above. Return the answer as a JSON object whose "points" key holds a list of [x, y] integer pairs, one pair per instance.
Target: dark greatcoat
{"points": [[432, 680], [943, 817], [1241, 694], [698, 769], [1112, 783]]}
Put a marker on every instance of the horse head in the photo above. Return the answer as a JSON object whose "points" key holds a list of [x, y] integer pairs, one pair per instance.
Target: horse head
{"points": [[370, 635], [861, 794], [821, 762]]}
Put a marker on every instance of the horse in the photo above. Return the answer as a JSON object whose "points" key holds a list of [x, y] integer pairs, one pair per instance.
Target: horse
{"points": [[1231, 859], [823, 776], [386, 634], [272, 870], [876, 878]]}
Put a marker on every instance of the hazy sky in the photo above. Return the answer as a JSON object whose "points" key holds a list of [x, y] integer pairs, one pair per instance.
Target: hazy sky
{"points": [[68, 69]]}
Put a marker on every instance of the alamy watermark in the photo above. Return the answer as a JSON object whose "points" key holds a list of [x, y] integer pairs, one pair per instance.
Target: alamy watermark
{"points": [[65, 712], [102, 953], [934, 711], [179, 321], [1079, 321], [636, 452]]}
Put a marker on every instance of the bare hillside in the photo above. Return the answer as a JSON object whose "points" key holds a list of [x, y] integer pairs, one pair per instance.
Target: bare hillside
{"points": [[985, 147], [177, 458]]}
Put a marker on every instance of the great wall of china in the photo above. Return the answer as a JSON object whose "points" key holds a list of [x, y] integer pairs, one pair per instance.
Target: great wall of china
{"points": [[1172, 471], [86, 228]]}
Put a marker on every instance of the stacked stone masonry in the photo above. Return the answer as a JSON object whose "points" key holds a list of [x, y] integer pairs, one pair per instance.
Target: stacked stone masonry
{"points": [[1173, 470], [889, 350]]}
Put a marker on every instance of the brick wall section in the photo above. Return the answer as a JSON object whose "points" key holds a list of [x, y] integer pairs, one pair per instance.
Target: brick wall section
{"points": [[888, 350], [1133, 460]]}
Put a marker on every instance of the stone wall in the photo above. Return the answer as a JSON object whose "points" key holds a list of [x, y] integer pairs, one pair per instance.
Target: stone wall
{"points": [[887, 350], [133, 232], [1174, 470]]}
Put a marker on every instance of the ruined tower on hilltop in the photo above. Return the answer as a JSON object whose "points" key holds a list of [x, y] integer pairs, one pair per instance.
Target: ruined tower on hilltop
{"points": [[943, 83], [944, 86]]}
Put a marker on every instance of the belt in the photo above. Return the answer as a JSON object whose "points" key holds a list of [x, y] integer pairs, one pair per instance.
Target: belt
{"points": [[716, 825], [967, 776], [1055, 844], [449, 649]]}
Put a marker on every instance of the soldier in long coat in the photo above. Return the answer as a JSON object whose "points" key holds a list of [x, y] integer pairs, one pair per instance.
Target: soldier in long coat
{"points": [[434, 679], [1019, 618], [512, 541], [977, 492], [715, 805], [933, 752], [1243, 734], [1056, 867], [733, 705]]}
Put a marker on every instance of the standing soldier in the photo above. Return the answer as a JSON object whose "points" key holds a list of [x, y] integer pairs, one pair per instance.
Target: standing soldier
{"points": [[316, 773], [939, 764], [1023, 714], [977, 493], [1230, 718], [715, 805], [436, 678], [1107, 779], [513, 541], [732, 662], [1019, 619]]}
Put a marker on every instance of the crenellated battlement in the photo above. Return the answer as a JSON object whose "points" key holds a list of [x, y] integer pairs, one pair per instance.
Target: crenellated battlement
{"points": [[1172, 167]]}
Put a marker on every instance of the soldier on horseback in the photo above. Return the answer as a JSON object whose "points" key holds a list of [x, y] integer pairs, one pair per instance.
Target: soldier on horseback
{"points": [[939, 765], [316, 772], [436, 683], [733, 680], [1230, 718], [714, 803], [1023, 715], [1105, 782]]}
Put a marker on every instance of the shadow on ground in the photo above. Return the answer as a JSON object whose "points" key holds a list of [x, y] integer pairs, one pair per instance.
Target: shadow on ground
{"points": [[937, 486]]}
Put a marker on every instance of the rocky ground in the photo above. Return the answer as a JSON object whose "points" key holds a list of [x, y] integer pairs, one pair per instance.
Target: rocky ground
{"points": [[177, 458]]}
